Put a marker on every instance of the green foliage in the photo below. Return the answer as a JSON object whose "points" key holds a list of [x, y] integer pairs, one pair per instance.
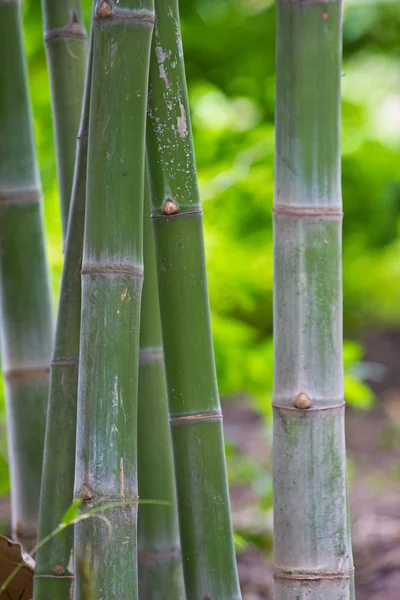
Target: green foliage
{"points": [[357, 393]]}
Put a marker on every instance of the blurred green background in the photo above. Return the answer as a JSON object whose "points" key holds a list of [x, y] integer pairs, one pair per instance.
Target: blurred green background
{"points": [[230, 59]]}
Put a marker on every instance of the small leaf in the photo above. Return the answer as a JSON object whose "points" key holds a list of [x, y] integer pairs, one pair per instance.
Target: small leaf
{"points": [[72, 512]]}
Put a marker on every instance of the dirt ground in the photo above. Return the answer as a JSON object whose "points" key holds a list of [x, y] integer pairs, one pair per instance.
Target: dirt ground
{"points": [[373, 443]]}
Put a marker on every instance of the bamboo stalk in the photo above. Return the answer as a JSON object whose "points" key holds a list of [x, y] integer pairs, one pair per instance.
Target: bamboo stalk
{"points": [[195, 413], [66, 49], [160, 569], [112, 274], [25, 300], [53, 574], [312, 539]]}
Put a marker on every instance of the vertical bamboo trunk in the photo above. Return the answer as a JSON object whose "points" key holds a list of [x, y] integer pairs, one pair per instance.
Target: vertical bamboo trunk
{"points": [[160, 569], [112, 274], [53, 576], [65, 40], [25, 300], [195, 414], [312, 539]]}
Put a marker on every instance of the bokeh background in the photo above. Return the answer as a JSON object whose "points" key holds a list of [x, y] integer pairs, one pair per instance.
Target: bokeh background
{"points": [[230, 59]]}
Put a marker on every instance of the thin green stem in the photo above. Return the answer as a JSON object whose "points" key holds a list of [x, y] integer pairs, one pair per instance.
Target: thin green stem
{"points": [[94, 512]]}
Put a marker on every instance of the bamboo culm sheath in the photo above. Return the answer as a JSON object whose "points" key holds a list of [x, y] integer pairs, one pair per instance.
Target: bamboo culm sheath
{"points": [[25, 299], [112, 274], [160, 569], [53, 576], [312, 549], [195, 415], [66, 50]]}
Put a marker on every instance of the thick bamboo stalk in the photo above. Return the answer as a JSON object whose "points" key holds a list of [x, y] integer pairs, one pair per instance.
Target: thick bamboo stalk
{"points": [[312, 540], [112, 274], [160, 569], [25, 300], [66, 49], [53, 574], [195, 413]]}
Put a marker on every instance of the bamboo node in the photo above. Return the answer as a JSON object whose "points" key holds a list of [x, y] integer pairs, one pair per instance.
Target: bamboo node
{"points": [[215, 416], [302, 401], [148, 355], [86, 493], [19, 374], [24, 534], [158, 557], [19, 197], [58, 570], [105, 10], [170, 207]]}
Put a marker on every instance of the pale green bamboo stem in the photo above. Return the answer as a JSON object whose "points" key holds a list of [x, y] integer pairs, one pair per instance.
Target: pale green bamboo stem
{"points": [[53, 573], [312, 550], [195, 413], [160, 569], [66, 50], [25, 300], [112, 274]]}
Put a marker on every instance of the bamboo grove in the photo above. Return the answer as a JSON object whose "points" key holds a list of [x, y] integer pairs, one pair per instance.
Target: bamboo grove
{"points": [[133, 434]]}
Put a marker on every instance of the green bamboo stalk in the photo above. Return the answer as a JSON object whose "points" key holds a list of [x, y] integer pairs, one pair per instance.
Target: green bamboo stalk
{"points": [[53, 574], [160, 569], [195, 414], [66, 49], [112, 274], [312, 539], [25, 299]]}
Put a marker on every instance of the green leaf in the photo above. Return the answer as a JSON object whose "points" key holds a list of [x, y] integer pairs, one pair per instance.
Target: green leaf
{"points": [[72, 512], [357, 393], [240, 542]]}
